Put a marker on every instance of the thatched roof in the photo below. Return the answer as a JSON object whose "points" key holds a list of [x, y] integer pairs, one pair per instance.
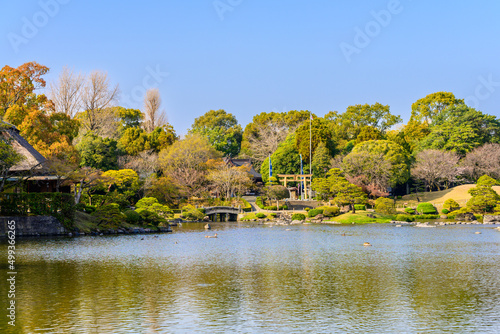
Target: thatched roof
{"points": [[32, 158]]}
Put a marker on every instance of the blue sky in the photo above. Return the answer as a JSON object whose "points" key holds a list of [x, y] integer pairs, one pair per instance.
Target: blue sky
{"points": [[248, 57]]}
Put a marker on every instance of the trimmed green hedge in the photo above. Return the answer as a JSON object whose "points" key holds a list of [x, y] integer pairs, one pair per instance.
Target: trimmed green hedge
{"points": [[410, 211], [405, 218], [314, 212], [246, 206], [359, 207], [426, 209], [59, 205], [298, 216]]}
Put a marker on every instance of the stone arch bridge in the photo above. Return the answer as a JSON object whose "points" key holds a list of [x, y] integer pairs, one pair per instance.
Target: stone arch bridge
{"points": [[222, 213]]}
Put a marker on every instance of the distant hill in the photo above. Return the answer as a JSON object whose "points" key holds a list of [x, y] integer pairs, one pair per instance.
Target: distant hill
{"points": [[459, 194]]}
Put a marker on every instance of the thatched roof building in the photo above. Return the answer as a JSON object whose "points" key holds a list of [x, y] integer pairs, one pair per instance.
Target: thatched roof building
{"points": [[33, 160]]}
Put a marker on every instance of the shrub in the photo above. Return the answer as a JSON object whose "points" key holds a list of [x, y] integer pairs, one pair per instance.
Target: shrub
{"points": [[298, 216], [85, 208], [259, 202], [451, 205], [426, 209], [246, 206], [404, 218], [454, 213], [133, 217], [152, 204], [385, 206], [314, 212], [189, 212], [331, 211], [359, 207], [426, 216], [149, 217], [109, 215], [410, 211], [445, 211], [260, 215]]}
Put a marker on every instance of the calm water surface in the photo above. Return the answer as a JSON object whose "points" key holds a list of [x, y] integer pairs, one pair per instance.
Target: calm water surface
{"points": [[261, 279]]}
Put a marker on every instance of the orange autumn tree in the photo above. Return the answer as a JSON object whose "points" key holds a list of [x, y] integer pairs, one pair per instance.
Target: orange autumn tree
{"points": [[33, 114]]}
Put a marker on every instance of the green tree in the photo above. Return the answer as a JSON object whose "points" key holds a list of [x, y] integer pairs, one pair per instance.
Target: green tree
{"points": [[348, 126], [321, 160], [427, 108], [285, 160], [460, 129], [484, 198], [342, 191], [267, 130], [98, 152], [393, 153], [221, 130], [185, 163], [309, 136], [129, 118]]}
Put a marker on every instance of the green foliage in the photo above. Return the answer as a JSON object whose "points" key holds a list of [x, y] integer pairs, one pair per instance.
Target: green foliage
{"points": [[460, 129], [404, 218], [428, 108], [354, 123], [149, 217], [330, 211], [321, 161], [285, 160], [484, 198], [259, 202], [132, 217], [337, 186], [359, 206], [385, 206], [272, 181], [98, 152], [426, 209], [260, 215], [453, 214], [309, 136], [429, 216], [410, 211], [276, 192], [451, 205], [129, 118], [445, 211], [314, 212], [58, 205], [298, 216], [109, 216], [221, 130], [189, 212], [393, 153], [85, 208], [152, 204]]}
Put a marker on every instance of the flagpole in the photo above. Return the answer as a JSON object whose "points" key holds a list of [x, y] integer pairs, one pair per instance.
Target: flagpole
{"points": [[310, 149]]}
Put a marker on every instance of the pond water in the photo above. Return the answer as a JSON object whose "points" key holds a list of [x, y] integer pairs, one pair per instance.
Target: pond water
{"points": [[261, 279]]}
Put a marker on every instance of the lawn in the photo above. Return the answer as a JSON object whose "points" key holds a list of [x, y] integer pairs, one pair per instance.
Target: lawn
{"points": [[459, 194]]}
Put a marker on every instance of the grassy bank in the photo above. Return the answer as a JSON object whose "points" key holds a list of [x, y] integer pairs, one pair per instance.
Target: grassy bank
{"points": [[361, 217]]}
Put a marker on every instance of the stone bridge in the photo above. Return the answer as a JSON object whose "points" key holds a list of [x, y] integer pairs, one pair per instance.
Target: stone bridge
{"points": [[222, 213]]}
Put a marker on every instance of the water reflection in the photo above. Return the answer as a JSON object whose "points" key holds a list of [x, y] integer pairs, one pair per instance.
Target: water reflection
{"points": [[262, 279]]}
